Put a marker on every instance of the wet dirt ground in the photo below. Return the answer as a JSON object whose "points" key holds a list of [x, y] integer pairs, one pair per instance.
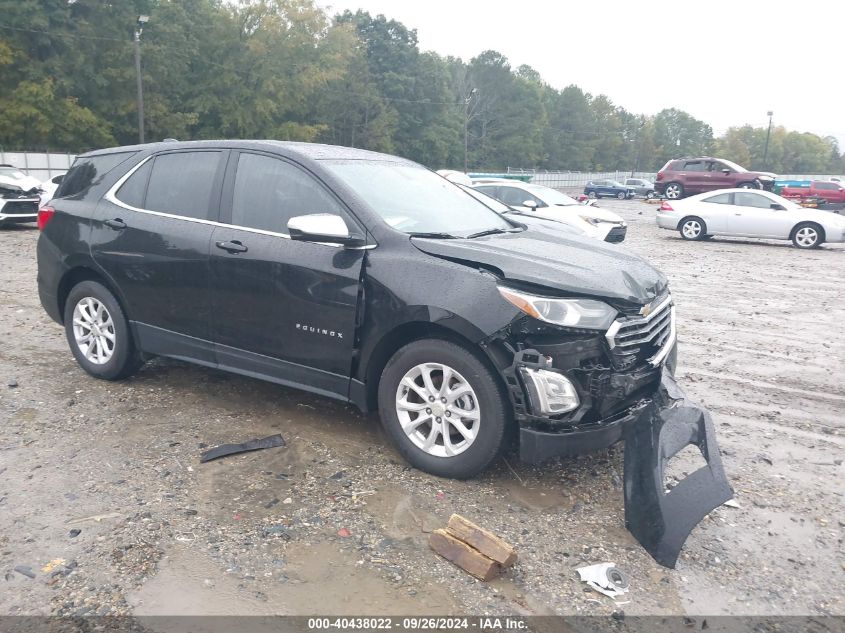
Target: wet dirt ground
{"points": [[336, 522]]}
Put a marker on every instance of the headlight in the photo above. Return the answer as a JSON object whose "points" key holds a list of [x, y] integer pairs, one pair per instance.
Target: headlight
{"points": [[580, 313], [587, 218]]}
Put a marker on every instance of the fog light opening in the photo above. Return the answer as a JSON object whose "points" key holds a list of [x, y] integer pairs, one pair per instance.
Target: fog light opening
{"points": [[550, 393]]}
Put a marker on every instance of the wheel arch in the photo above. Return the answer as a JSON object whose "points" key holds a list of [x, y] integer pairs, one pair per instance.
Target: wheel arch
{"points": [[819, 227], [691, 216], [85, 272], [408, 332]]}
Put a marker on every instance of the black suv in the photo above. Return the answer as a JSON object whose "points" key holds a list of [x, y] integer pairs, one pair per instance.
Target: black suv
{"points": [[362, 277]]}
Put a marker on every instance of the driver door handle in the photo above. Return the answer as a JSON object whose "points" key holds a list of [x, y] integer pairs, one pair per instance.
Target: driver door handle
{"points": [[232, 247], [116, 224]]}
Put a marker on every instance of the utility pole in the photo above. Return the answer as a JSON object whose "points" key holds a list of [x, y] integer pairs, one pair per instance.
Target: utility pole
{"points": [[142, 20], [768, 135], [467, 101]]}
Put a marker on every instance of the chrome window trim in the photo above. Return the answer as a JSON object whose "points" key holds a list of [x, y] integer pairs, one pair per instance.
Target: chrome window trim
{"points": [[111, 196]]}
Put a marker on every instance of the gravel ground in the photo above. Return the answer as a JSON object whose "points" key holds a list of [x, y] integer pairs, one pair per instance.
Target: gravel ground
{"points": [[103, 497]]}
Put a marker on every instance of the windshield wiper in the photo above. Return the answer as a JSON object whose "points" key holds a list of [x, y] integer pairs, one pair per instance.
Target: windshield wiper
{"points": [[435, 235], [494, 232]]}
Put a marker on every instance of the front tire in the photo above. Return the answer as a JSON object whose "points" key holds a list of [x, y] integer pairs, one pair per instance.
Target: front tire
{"points": [[649, 195], [692, 228], [621, 195], [443, 408], [674, 191], [592, 195], [807, 235], [98, 333]]}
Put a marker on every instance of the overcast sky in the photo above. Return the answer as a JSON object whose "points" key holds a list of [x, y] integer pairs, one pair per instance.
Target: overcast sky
{"points": [[726, 62]]}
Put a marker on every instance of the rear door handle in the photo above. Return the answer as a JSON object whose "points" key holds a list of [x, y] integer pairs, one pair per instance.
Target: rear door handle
{"points": [[232, 247], [116, 223]]}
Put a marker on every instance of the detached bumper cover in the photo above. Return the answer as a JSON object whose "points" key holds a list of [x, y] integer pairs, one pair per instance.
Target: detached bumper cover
{"points": [[661, 521], [654, 430]]}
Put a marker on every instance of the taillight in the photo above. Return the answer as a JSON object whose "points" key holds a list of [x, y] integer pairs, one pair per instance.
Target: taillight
{"points": [[45, 214], [660, 175], [665, 207]]}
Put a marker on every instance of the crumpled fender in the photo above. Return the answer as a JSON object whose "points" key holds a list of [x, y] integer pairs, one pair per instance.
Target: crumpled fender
{"points": [[661, 521]]}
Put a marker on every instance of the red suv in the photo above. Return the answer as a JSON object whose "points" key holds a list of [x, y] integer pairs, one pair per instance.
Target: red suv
{"points": [[687, 176]]}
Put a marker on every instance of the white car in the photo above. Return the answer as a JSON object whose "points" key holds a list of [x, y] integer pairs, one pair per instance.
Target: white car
{"points": [[20, 196], [550, 204], [750, 213], [49, 187]]}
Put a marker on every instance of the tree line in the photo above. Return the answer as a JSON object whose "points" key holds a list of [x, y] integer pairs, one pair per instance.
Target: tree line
{"points": [[285, 69]]}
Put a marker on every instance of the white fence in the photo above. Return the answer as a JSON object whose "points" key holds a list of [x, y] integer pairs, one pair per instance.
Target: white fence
{"points": [[38, 165]]}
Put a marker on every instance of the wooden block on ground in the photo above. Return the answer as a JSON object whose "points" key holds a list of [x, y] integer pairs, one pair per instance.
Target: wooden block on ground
{"points": [[484, 541], [464, 556]]}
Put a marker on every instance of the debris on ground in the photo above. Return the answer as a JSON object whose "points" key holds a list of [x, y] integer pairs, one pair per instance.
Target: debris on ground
{"points": [[95, 517], [26, 571], [472, 548], [731, 503], [75, 532], [343, 533], [52, 565], [605, 578], [224, 450]]}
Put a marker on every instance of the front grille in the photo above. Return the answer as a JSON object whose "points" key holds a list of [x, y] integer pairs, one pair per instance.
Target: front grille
{"points": [[616, 234], [20, 207], [635, 340]]}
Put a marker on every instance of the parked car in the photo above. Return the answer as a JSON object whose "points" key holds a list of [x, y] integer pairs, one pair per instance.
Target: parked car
{"points": [[20, 196], [744, 213], [521, 216], [641, 187], [551, 204], [49, 187], [608, 189], [324, 269], [832, 192], [687, 176]]}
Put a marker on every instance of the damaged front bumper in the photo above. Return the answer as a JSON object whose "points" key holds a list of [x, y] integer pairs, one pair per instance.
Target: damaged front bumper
{"points": [[658, 422]]}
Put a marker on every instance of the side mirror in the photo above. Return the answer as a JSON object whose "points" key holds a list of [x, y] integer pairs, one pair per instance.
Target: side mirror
{"points": [[322, 227], [530, 204], [778, 207], [726, 171]]}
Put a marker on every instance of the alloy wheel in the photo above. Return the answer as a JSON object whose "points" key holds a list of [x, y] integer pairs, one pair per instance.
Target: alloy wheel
{"points": [[807, 236], [691, 229], [93, 330], [673, 192], [438, 409]]}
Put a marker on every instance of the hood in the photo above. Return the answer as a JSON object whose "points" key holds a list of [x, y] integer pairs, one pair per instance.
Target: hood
{"points": [[567, 264], [26, 183], [561, 213], [765, 174]]}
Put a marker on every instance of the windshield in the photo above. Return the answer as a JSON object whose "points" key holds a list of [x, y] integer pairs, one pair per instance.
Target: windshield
{"points": [[551, 196], [11, 172], [414, 200]]}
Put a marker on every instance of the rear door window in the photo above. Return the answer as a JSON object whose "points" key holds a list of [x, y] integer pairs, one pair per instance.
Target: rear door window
{"points": [[268, 192], [181, 183], [516, 197], [88, 171], [695, 165], [132, 191], [722, 198]]}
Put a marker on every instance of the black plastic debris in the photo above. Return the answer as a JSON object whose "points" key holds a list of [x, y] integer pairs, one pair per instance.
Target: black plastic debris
{"points": [[233, 449], [74, 532], [26, 571], [662, 520]]}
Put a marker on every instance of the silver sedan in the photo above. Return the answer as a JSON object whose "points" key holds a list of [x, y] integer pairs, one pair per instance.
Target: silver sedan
{"points": [[750, 213]]}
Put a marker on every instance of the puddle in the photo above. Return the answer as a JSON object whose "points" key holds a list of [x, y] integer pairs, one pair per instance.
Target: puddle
{"points": [[318, 580]]}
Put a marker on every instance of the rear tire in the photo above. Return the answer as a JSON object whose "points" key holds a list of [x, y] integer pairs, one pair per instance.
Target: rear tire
{"points": [[807, 235], [98, 333], [649, 195], [692, 228], [592, 195], [457, 438], [674, 191]]}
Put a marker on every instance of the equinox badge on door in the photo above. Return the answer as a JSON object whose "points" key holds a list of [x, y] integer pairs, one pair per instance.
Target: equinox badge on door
{"points": [[317, 330]]}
